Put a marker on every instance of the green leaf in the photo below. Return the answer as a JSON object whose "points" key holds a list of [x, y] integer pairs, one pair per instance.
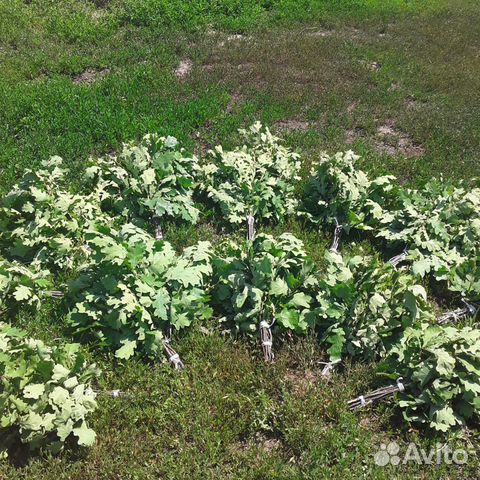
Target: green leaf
{"points": [[86, 436], [443, 419], [64, 430], [410, 302], [288, 318], [115, 254], [70, 383], [34, 390], [59, 396], [419, 291], [127, 349], [445, 363], [336, 339], [22, 293], [33, 421], [265, 266], [240, 298], [278, 287], [376, 301], [300, 299], [160, 303], [185, 276], [421, 267], [148, 176]]}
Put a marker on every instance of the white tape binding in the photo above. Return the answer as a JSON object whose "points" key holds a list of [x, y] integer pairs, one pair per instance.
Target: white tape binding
{"points": [[400, 385], [174, 358], [250, 227]]}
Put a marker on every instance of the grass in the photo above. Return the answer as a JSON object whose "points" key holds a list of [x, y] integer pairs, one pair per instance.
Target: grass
{"points": [[326, 74]]}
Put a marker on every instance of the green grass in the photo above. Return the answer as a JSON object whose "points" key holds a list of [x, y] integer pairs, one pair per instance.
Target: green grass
{"points": [[339, 69]]}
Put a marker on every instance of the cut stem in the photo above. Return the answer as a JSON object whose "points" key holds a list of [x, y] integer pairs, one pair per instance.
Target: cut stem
{"points": [[108, 393], [470, 309], [375, 396], [398, 258], [267, 341], [54, 294], [173, 357], [158, 228], [337, 233], [328, 368], [250, 228]]}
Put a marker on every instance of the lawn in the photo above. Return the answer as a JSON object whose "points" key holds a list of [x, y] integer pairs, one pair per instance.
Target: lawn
{"points": [[396, 81]]}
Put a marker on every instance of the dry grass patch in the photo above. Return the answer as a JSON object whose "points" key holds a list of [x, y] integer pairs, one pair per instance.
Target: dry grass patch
{"points": [[301, 381], [90, 75], [395, 142], [184, 68], [292, 124]]}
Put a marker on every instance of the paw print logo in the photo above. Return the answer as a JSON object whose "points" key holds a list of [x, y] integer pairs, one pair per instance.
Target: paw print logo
{"points": [[387, 454]]}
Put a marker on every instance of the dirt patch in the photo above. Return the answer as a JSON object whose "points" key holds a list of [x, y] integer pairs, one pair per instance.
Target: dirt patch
{"points": [[228, 67], [365, 423], [394, 87], [320, 32], [201, 146], [403, 147], [352, 107], [184, 68], [301, 381], [98, 14], [411, 103], [264, 442], [354, 134], [90, 75], [346, 32], [392, 141], [388, 139], [235, 99], [355, 32], [245, 66], [268, 444], [386, 130], [373, 66], [291, 125], [236, 36]]}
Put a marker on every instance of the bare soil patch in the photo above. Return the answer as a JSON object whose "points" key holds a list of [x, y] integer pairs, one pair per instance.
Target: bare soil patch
{"points": [[395, 142], [352, 107], [184, 68], [388, 139], [347, 33], [269, 444], [301, 381], [354, 133], [372, 66], [235, 99], [292, 124], [90, 75], [320, 32]]}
